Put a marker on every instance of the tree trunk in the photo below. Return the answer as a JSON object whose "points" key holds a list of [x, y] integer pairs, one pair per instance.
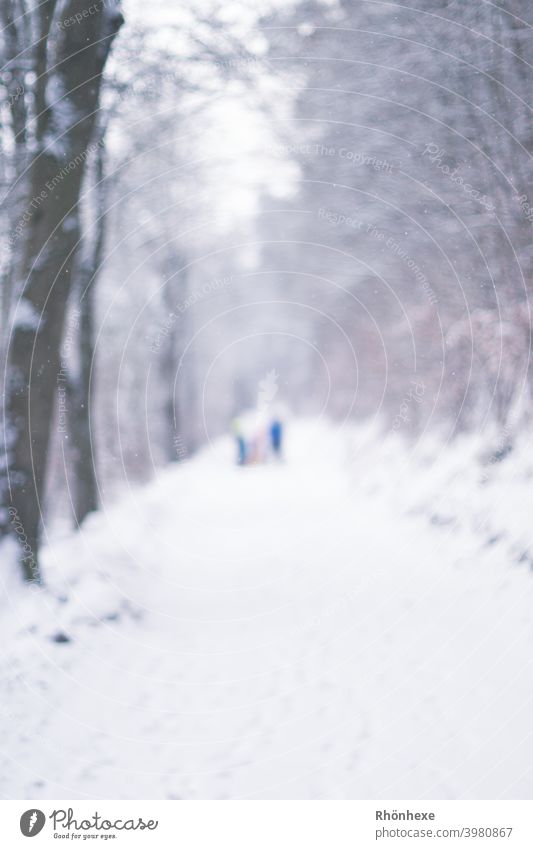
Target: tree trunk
{"points": [[81, 383], [173, 292], [50, 241], [80, 448]]}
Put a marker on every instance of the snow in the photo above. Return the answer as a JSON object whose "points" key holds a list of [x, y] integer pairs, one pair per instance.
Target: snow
{"points": [[26, 316], [63, 117], [335, 626]]}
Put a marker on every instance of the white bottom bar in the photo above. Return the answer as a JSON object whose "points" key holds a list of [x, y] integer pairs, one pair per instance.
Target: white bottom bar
{"points": [[265, 825]]}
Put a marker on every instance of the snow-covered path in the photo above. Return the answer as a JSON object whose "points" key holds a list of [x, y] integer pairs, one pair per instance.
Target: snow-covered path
{"points": [[269, 632]]}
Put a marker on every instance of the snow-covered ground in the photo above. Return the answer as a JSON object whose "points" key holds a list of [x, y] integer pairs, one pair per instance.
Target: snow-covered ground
{"points": [[354, 623]]}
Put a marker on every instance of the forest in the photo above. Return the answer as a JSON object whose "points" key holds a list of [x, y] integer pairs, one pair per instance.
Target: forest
{"points": [[212, 211], [341, 171]]}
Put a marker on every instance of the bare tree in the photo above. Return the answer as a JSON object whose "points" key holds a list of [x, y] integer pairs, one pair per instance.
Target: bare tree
{"points": [[69, 71]]}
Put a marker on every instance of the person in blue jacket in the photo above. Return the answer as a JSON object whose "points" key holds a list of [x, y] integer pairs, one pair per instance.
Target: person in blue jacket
{"points": [[276, 437]]}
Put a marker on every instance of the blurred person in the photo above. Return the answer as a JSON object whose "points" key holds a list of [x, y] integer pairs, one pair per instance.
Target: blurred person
{"points": [[242, 448], [276, 437]]}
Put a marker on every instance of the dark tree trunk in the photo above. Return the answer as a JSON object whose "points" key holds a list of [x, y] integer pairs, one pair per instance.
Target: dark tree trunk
{"points": [[50, 241], [15, 64], [80, 450], [81, 382]]}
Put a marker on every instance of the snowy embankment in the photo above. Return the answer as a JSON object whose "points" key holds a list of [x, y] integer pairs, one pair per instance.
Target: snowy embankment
{"points": [[353, 623], [461, 486]]}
